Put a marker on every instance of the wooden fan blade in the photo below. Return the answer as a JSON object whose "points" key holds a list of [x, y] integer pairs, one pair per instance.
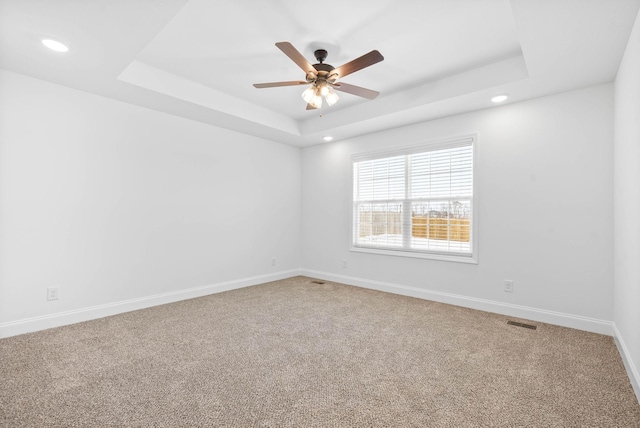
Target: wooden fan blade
{"points": [[276, 84], [364, 61], [310, 107], [355, 90], [296, 56]]}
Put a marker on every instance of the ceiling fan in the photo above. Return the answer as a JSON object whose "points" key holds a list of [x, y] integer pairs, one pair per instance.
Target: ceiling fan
{"points": [[323, 77]]}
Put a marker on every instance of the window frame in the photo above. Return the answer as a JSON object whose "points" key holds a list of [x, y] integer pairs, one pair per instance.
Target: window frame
{"points": [[426, 146]]}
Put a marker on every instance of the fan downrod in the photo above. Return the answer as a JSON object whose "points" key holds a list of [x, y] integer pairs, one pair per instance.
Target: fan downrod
{"points": [[323, 69]]}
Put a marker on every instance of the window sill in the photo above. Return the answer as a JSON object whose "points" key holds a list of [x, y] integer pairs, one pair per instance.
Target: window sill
{"points": [[417, 255]]}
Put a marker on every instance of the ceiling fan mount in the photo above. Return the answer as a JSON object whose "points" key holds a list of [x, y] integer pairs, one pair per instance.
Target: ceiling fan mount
{"points": [[323, 77], [320, 55]]}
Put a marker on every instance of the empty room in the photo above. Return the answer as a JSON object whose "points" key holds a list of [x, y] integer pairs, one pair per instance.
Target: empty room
{"points": [[284, 214]]}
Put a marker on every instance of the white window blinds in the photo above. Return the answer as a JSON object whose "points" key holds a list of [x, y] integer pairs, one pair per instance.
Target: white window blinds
{"points": [[419, 200]]}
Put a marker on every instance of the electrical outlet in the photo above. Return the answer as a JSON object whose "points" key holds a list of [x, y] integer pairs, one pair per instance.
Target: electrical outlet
{"points": [[273, 261], [508, 286], [344, 263], [52, 293]]}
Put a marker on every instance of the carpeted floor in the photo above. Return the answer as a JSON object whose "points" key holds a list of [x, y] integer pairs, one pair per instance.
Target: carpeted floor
{"points": [[293, 353]]}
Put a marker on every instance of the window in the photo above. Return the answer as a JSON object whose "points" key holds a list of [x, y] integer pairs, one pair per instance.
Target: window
{"points": [[417, 202]]}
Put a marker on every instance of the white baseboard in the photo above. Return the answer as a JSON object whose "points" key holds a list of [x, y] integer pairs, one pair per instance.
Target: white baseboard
{"points": [[28, 325], [632, 370], [541, 315]]}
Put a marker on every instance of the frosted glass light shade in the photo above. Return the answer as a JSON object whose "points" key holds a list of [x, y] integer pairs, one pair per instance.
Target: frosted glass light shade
{"points": [[316, 101], [331, 97], [308, 94]]}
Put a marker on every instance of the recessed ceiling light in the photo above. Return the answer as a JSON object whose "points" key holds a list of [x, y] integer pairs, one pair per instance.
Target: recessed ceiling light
{"points": [[500, 98], [327, 138], [54, 45]]}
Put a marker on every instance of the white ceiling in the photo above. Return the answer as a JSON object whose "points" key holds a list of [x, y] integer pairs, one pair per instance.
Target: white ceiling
{"points": [[199, 58]]}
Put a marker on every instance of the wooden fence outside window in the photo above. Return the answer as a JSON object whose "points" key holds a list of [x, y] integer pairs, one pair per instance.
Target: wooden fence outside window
{"points": [[380, 223]]}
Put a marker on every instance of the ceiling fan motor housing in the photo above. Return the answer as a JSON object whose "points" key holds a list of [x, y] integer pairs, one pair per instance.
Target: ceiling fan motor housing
{"points": [[323, 67]]}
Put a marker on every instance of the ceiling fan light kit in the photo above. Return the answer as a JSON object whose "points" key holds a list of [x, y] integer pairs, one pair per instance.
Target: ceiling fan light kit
{"points": [[313, 95], [323, 77]]}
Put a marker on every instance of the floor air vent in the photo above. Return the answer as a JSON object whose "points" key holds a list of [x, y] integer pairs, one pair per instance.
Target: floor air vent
{"points": [[519, 324], [317, 282]]}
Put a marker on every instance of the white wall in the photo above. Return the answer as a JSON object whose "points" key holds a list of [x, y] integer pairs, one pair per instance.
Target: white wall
{"points": [[627, 204], [116, 204], [545, 218], [113, 202]]}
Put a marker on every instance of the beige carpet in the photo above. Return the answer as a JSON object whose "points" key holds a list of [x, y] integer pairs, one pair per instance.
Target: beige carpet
{"points": [[297, 354]]}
